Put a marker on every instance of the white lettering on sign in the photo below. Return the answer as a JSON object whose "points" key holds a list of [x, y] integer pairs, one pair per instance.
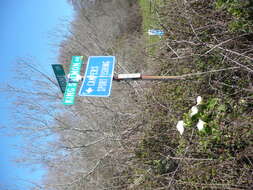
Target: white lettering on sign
{"points": [[93, 71], [105, 68], [91, 83], [102, 83], [74, 72], [70, 92]]}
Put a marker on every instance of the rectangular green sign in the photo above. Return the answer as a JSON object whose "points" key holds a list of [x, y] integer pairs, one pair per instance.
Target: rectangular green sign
{"points": [[60, 76], [70, 91], [75, 67]]}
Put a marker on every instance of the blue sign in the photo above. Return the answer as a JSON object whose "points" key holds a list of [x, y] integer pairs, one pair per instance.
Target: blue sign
{"points": [[153, 32], [98, 76]]}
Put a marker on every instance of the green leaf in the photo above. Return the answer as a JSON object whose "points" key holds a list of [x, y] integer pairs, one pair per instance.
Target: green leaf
{"points": [[222, 108], [212, 103]]}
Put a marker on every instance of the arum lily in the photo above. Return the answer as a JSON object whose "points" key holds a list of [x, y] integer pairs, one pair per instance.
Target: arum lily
{"points": [[180, 127], [200, 125], [194, 110], [199, 100]]}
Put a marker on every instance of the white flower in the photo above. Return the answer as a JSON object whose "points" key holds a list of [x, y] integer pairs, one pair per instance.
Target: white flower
{"points": [[180, 126], [199, 100], [194, 110], [242, 101], [200, 125]]}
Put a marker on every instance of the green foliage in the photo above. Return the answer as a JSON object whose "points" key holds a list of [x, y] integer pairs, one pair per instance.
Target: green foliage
{"points": [[221, 141], [207, 112], [242, 12]]}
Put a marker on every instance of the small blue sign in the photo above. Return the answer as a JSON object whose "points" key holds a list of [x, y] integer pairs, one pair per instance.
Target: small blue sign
{"points": [[154, 32], [98, 76]]}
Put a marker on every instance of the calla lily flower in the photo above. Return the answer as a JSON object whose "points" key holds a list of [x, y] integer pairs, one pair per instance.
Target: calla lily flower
{"points": [[194, 111], [180, 126], [199, 100], [200, 125]]}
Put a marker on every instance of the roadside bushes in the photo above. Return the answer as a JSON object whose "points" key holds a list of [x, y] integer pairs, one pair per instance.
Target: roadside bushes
{"points": [[242, 12], [208, 145]]}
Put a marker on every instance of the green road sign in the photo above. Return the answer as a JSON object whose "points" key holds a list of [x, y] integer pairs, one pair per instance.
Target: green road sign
{"points": [[60, 76], [70, 91], [75, 68]]}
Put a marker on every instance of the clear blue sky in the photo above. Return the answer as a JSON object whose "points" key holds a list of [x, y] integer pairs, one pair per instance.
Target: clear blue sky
{"points": [[25, 27]]}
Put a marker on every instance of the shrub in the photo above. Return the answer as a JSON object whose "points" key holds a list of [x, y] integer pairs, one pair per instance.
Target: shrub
{"points": [[242, 12]]}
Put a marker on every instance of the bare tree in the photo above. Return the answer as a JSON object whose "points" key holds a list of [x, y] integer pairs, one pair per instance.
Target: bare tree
{"points": [[80, 146]]}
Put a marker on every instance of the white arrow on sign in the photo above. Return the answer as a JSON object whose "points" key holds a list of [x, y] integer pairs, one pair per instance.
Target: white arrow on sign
{"points": [[89, 90]]}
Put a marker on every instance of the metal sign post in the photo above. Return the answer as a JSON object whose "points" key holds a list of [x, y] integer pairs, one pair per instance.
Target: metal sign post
{"points": [[139, 76], [97, 81]]}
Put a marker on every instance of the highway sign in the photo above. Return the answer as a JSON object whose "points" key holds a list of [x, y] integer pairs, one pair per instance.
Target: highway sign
{"points": [[153, 32], [98, 76], [60, 76], [70, 91]]}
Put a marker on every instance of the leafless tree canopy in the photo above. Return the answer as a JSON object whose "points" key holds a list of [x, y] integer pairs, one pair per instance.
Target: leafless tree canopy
{"points": [[79, 145]]}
